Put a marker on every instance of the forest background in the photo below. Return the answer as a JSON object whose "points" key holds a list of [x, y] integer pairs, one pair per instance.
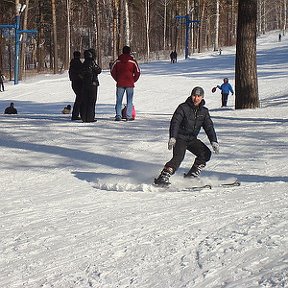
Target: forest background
{"points": [[150, 27]]}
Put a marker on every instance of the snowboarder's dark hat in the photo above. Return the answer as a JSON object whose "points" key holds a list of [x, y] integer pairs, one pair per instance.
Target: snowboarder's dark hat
{"points": [[197, 91]]}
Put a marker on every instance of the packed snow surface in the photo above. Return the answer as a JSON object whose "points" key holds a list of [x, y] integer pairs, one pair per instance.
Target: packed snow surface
{"points": [[78, 208]]}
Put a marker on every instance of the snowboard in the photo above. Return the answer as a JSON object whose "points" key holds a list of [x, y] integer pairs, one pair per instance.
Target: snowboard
{"points": [[202, 186], [211, 186]]}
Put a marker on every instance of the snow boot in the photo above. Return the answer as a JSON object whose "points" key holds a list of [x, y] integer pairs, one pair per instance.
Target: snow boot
{"points": [[163, 179], [195, 170]]}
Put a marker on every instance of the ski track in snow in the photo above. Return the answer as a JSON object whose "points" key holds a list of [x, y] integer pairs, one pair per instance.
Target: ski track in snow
{"points": [[78, 208]]}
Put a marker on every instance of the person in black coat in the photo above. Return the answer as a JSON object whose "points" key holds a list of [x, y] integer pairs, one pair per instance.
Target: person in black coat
{"points": [[76, 83], [11, 109], [89, 73], [185, 125], [2, 77], [173, 56]]}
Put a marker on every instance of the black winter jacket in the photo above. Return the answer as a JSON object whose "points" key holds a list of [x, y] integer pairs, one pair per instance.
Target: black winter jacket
{"points": [[75, 69], [187, 121], [90, 71]]}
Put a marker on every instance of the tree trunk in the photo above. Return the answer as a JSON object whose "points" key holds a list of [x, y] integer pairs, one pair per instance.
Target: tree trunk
{"points": [[55, 42], [216, 42], [246, 83], [200, 30], [40, 39], [285, 17], [127, 23], [98, 35], [68, 38], [147, 26]]}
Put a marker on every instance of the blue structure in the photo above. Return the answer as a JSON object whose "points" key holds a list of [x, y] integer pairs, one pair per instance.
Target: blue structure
{"points": [[187, 25], [18, 33]]}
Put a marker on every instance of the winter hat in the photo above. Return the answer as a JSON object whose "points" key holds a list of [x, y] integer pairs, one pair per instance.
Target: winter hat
{"points": [[87, 54], [197, 91], [126, 50], [76, 54], [226, 79]]}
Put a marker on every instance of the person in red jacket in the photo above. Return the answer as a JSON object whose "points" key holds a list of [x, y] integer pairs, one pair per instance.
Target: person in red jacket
{"points": [[125, 71]]}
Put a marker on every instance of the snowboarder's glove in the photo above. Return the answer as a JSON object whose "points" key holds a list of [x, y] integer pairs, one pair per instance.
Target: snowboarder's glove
{"points": [[215, 147], [171, 143]]}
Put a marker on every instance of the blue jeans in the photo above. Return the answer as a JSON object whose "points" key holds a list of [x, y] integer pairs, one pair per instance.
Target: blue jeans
{"points": [[119, 98]]}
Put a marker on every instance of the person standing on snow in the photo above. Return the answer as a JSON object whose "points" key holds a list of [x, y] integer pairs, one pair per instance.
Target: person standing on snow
{"points": [[225, 88], [173, 56], [125, 71], [185, 125], [90, 83], [2, 78], [97, 71], [76, 83]]}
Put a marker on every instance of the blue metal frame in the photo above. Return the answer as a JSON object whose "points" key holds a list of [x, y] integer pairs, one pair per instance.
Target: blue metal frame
{"points": [[18, 32], [187, 25]]}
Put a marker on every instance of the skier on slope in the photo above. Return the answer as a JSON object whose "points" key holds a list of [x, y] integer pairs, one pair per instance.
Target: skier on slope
{"points": [[185, 126]]}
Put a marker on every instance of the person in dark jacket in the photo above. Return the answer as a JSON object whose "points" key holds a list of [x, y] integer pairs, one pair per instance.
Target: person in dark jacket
{"points": [[185, 125], [76, 83], [173, 56], [125, 71], [66, 109], [89, 73], [11, 109], [2, 77]]}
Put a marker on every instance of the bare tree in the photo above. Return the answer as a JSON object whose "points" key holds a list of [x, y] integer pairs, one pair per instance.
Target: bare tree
{"points": [[246, 82], [127, 22], [216, 42], [23, 46], [41, 37], [55, 41], [200, 31], [68, 38], [165, 4], [147, 26], [285, 17], [120, 26]]}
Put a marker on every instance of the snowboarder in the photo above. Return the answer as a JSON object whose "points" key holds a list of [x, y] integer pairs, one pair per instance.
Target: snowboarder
{"points": [[225, 88], [185, 125], [11, 109]]}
